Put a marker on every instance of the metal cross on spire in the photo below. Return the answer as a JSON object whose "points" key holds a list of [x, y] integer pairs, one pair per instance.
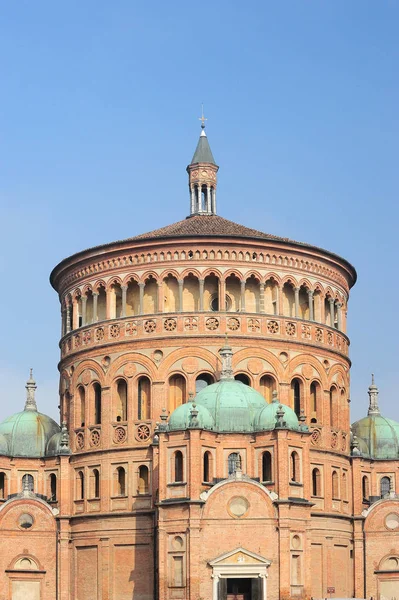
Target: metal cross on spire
{"points": [[202, 118]]}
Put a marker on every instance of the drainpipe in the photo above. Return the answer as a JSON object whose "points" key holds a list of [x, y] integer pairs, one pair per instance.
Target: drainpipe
{"points": [[57, 541], [364, 561]]}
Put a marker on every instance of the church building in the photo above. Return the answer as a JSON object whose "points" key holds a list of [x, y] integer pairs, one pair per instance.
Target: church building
{"points": [[204, 449]]}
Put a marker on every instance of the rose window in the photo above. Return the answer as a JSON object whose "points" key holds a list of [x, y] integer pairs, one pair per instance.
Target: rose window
{"points": [[290, 328], [334, 440], [87, 337], [95, 438], [212, 323], [306, 332], [254, 325], [80, 441], [114, 330], [143, 432], [77, 340], [319, 335], [99, 334], [315, 437], [233, 324], [119, 435], [272, 326], [131, 328], [150, 326], [330, 338], [191, 324], [169, 324]]}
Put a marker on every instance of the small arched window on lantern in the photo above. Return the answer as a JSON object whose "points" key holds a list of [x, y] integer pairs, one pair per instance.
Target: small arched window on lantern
{"points": [[316, 482], [385, 486], [178, 467], [233, 462], [80, 485], [97, 403], [143, 479], [207, 467], [365, 488], [2, 486], [295, 474], [335, 485], [296, 396], [121, 481], [267, 471], [53, 487], [28, 483]]}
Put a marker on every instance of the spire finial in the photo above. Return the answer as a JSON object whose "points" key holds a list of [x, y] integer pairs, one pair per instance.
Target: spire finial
{"points": [[226, 354], [374, 409], [31, 386], [202, 118]]}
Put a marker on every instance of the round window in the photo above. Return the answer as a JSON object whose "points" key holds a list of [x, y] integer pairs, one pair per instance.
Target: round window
{"points": [[238, 506], [25, 521], [392, 521], [214, 303]]}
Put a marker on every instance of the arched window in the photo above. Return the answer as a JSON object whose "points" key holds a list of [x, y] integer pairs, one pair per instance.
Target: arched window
{"points": [[28, 483], [80, 485], [335, 485], [296, 396], [207, 474], [333, 405], [2, 486], [121, 481], [96, 483], [365, 488], [121, 400], [178, 467], [295, 467], [267, 474], [243, 378], [97, 403], [143, 398], [234, 462], [385, 486], [82, 407], [344, 492], [53, 487], [202, 381], [267, 387], [143, 479], [316, 482], [177, 391], [314, 399]]}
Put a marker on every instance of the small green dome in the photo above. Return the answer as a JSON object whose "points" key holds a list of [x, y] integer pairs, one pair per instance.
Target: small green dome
{"points": [[377, 437], [232, 404], [182, 417], [267, 418], [27, 433]]}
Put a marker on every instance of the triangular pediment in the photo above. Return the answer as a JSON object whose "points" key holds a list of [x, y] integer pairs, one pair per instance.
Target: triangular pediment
{"points": [[239, 556]]}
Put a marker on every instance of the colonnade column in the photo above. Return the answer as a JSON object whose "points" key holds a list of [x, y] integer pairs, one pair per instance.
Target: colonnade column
{"points": [[339, 315], [68, 318], [124, 293], [192, 189], [180, 282], [208, 199], [141, 297], [160, 297], [331, 301], [296, 291], [242, 295], [262, 297], [311, 311], [63, 322], [75, 314], [84, 305], [201, 294], [214, 201], [95, 309], [222, 295]]}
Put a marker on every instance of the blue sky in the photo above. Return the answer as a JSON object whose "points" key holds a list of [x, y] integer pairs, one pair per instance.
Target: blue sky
{"points": [[98, 120]]}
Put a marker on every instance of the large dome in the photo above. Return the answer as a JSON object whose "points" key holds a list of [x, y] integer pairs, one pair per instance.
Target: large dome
{"points": [[27, 433]]}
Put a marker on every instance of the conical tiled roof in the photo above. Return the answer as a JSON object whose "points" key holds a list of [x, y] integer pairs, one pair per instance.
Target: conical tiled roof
{"points": [[203, 152]]}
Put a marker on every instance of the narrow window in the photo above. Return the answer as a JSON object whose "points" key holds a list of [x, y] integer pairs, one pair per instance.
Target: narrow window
{"points": [[28, 483], [121, 481], [385, 486], [143, 398], [333, 405], [207, 467], [296, 396], [295, 474], [335, 487], [316, 482], [53, 487], [267, 387], [314, 398], [243, 378], [2, 486], [344, 487], [177, 391], [267, 466], [365, 488], [234, 462], [178, 467], [121, 400], [97, 403], [96, 483], [80, 489], [82, 407], [143, 479]]}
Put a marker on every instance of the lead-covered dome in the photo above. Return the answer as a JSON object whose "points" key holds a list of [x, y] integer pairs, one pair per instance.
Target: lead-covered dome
{"points": [[269, 416], [377, 437], [27, 433], [190, 415]]}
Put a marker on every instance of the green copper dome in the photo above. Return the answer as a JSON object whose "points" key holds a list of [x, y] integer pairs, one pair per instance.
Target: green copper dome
{"points": [[190, 415], [27, 433], [377, 437], [269, 416]]}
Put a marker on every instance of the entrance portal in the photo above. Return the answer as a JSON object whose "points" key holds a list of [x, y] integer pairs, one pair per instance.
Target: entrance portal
{"points": [[242, 589]]}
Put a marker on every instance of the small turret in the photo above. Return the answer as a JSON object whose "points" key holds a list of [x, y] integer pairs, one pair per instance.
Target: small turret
{"points": [[202, 175]]}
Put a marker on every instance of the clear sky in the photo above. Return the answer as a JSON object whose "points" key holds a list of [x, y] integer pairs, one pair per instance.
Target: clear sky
{"points": [[99, 110]]}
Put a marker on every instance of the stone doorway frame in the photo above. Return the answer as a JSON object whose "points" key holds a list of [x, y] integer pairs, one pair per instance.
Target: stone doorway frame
{"points": [[239, 564]]}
